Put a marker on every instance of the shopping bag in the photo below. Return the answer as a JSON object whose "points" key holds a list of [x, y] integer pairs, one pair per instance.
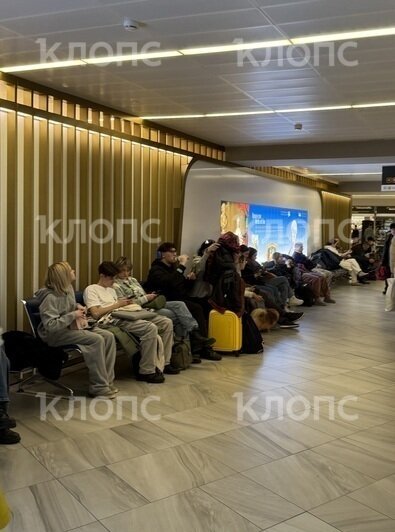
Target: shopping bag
{"points": [[390, 295]]}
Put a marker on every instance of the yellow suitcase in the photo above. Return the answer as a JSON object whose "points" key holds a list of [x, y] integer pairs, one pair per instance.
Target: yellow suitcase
{"points": [[5, 514], [227, 330]]}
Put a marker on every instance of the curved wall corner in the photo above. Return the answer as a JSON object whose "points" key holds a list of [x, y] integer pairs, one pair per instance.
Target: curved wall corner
{"points": [[207, 184]]}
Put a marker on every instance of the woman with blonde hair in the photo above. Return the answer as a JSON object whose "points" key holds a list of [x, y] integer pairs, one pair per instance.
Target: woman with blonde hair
{"points": [[61, 321]]}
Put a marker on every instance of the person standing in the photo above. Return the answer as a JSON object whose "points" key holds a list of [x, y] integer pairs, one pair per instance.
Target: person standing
{"points": [[388, 259]]}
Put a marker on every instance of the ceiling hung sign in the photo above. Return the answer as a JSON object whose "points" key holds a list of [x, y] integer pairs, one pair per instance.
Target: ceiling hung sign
{"points": [[388, 179]]}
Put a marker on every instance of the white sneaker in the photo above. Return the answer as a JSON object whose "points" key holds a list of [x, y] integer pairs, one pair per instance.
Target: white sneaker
{"points": [[104, 395], [295, 302]]}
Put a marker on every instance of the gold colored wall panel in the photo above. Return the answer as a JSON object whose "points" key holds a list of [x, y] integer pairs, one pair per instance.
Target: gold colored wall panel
{"points": [[64, 190]]}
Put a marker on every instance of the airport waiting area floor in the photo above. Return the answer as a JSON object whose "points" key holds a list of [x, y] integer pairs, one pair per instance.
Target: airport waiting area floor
{"points": [[307, 444]]}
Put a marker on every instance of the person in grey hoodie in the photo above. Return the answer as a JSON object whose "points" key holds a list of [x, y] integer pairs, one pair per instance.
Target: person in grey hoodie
{"points": [[61, 318]]}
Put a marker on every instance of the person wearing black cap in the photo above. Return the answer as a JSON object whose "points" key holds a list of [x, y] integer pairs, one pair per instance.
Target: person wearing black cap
{"points": [[166, 276]]}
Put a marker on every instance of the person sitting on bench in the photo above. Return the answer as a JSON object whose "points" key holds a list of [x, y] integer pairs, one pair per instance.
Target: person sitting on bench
{"points": [[60, 315]]}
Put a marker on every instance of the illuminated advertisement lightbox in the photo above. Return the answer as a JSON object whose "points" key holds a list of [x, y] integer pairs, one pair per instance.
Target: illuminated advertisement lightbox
{"points": [[266, 228]]}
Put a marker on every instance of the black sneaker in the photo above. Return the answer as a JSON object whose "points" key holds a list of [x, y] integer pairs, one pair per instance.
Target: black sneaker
{"points": [[171, 370], [209, 354], [152, 378], [361, 280], [9, 437], [6, 422], [293, 316], [196, 359], [286, 324]]}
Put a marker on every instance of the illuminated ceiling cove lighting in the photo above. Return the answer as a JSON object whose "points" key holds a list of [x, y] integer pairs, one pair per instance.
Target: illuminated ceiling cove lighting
{"points": [[273, 111], [350, 173], [130, 57], [214, 49], [234, 47], [345, 36], [42, 66]]}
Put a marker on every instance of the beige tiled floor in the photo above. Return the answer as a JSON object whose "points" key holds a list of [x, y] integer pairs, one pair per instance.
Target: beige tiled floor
{"points": [[287, 460]]}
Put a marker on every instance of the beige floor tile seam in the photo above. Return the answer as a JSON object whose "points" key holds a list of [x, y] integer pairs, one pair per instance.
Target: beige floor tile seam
{"points": [[372, 508], [258, 486], [185, 491], [373, 480], [94, 518], [107, 516], [341, 497]]}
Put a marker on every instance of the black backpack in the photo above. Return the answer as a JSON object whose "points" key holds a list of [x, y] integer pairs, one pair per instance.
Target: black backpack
{"points": [[304, 292], [24, 350], [252, 338]]}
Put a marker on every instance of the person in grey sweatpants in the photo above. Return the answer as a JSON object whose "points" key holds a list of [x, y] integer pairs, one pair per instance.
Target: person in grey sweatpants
{"points": [[59, 313], [101, 299]]}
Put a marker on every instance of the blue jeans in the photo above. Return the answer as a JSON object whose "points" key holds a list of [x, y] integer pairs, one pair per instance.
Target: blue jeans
{"points": [[183, 321], [4, 373]]}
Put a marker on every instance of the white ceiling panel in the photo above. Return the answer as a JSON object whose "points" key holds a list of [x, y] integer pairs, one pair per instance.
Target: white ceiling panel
{"points": [[218, 82], [165, 9], [328, 9], [338, 24]]}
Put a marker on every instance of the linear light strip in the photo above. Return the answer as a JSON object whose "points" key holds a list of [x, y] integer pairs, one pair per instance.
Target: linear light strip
{"points": [[273, 111], [308, 39]]}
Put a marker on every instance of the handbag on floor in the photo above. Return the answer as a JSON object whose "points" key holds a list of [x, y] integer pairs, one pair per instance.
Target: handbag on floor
{"points": [[181, 356], [390, 295]]}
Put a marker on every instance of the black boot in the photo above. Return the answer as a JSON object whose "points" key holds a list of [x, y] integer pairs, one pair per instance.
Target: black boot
{"points": [[197, 340], [209, 354], [9, 437], [6, 422]]}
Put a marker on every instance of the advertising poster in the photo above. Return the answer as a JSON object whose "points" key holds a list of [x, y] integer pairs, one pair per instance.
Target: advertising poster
{"points": [[266, 228]]}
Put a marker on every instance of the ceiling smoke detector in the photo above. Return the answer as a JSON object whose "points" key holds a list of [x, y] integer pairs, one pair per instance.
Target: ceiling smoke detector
{"points": [[130, 25]]}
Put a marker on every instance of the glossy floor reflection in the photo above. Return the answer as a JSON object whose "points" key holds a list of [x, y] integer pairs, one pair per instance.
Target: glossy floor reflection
{"points": [[299, 439]]}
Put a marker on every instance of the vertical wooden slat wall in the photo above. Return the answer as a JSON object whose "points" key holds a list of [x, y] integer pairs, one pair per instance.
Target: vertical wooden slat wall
{"points": [[71, 194], [336, 216]]}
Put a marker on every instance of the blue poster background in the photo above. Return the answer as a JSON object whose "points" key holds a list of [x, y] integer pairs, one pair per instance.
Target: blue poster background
{"points": [[273, 229]]}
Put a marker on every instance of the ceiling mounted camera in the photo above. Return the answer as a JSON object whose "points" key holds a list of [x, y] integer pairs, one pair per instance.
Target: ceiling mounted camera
{"points": [[298, 126], [130, 25]]}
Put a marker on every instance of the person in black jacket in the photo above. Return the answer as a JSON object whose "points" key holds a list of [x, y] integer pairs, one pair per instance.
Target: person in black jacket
{"points": [[386, 259], [166, 276]]}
